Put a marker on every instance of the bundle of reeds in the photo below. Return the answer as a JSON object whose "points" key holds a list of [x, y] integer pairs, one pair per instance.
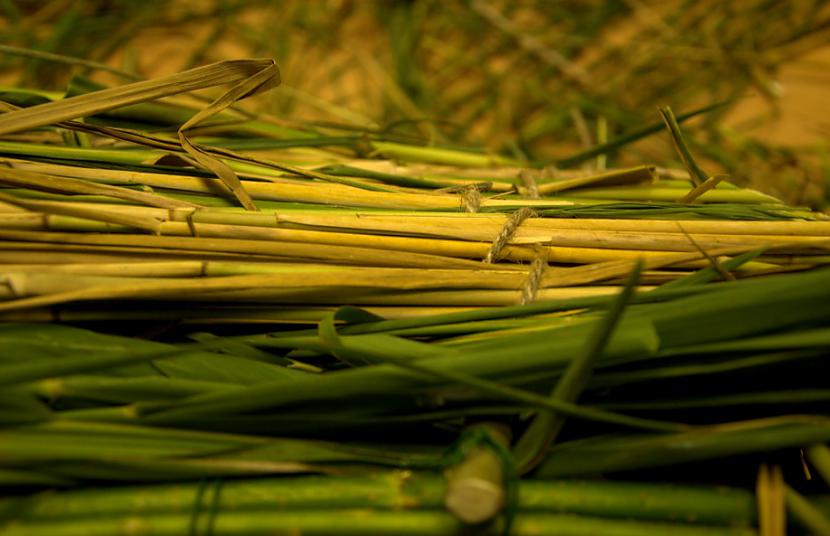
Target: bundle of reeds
{"points": [[417, 326]]}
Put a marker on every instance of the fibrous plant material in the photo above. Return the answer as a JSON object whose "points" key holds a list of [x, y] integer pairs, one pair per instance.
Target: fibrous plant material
{"points": [[413, 324]]}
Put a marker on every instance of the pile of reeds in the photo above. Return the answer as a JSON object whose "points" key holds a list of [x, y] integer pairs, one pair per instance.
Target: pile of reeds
{"points": [[196, 300]]}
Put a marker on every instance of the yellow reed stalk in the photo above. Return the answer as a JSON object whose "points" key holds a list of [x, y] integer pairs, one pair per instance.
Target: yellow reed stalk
{"points": [[218, 314], [321, 193], [450, 224], [51, 183], [136, 221], [566, 237], [488, 298], [615, 177], [192, 268], [487, 226], [320, 252], [46, 252], [428, 246], [40, 290]]}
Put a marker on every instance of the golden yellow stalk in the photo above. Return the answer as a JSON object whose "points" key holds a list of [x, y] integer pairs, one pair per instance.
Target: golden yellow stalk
{"points": [[320, 193], [615, 177], [40, 252], [358, 285], [137, 221], [451, 224], [220, 314], [263, 241], [53, 183], [486, 298], [487, 226], [294, 250], [210, 268]]}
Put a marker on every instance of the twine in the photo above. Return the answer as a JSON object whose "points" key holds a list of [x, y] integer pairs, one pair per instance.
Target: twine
{"points": [[507, 233], [529, 177], [471, 198], [534, 276]]}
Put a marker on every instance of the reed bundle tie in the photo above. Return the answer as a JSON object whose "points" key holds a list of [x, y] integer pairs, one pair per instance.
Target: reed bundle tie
{"points": [[471, 198], [534, 276], [530, 176], [513, 222]]}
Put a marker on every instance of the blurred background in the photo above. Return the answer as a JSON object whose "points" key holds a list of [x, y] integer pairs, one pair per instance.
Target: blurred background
{"points": [[541, 80]]}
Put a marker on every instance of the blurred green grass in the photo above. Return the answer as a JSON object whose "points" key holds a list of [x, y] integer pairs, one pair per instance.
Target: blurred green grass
{"points": [[533, 78]]}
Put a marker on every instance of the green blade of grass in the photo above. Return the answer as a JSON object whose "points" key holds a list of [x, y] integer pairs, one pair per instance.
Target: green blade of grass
{"points": [[393, 490], [819, 456], [532, 444], [806, 513], [626, 139], [608, 454]]}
